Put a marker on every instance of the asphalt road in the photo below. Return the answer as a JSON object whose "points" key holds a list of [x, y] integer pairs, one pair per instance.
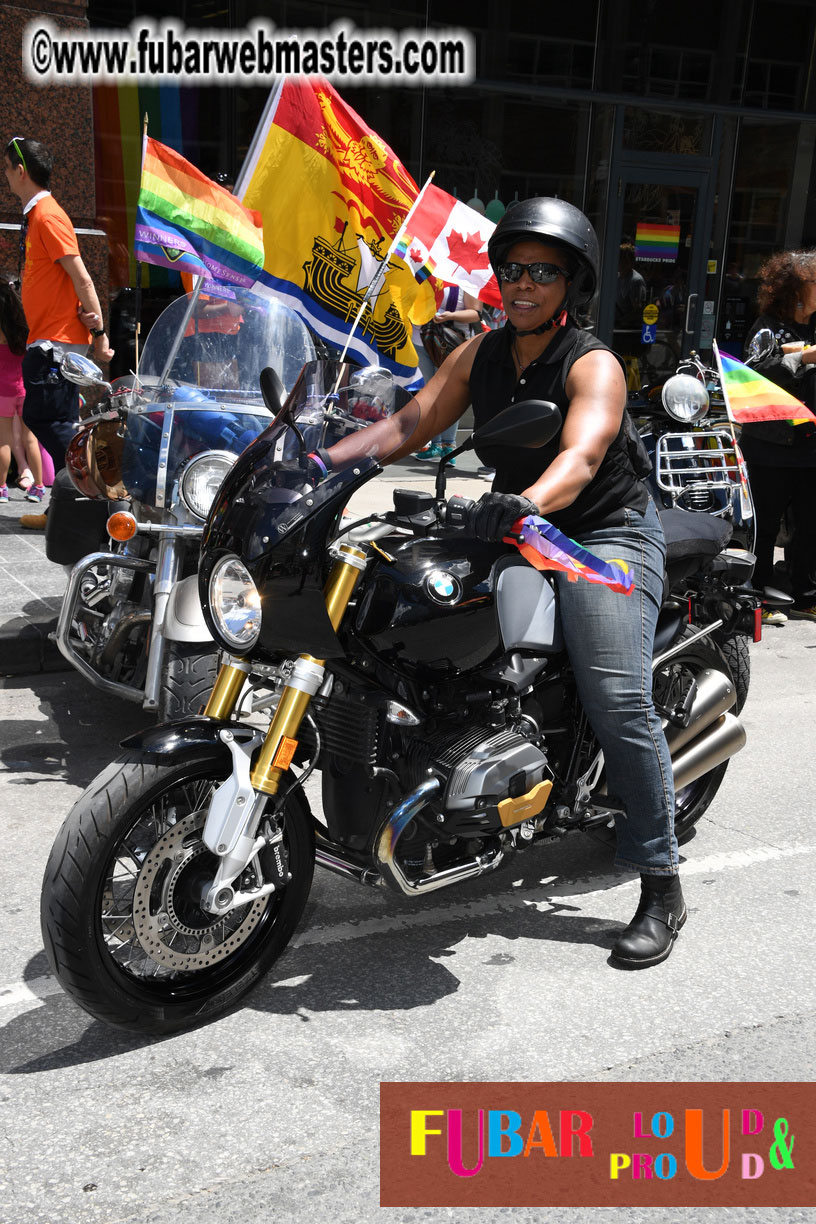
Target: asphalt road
{"points": [[272, 1112]]}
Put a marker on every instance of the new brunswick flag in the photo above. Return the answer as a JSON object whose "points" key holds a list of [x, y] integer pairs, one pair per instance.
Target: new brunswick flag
{"points": [[333, 196]]}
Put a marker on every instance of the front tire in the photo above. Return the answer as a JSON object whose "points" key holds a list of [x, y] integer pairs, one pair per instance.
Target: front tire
{"points": [[122, 925]]}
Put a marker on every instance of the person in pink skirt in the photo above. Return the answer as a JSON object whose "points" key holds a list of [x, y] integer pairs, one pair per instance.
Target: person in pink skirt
{"points": [[13, 336]]}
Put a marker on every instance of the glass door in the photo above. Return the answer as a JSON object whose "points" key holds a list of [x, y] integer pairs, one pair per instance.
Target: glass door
{"points": [[654, 273]]}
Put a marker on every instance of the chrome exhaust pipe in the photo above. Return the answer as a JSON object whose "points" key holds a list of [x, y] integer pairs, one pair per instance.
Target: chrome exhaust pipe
{"points": [[334, 861], [715, 744], [388, 840], [715, 696]]}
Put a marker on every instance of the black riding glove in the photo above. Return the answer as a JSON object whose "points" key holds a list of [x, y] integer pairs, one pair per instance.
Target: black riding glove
{"points": [[493, 515]]}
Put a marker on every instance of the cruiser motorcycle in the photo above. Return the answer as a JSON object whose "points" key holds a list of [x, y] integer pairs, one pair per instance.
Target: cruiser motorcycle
{"points": [[147, 465], [421, 672]]}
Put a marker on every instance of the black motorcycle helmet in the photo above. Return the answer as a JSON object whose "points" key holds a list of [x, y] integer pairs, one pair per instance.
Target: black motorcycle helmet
{"points": [[556, 223]]}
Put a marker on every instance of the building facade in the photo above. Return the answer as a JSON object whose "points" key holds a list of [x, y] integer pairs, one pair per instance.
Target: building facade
{"points": [[687, 133]]}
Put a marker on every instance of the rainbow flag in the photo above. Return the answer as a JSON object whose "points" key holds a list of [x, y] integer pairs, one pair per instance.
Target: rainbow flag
{"points": [[333, 196], [186, 222], [545, 547], [657, 243], [750, 397]]}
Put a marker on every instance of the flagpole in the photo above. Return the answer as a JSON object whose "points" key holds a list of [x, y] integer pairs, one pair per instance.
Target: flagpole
{"points": [[194, 295], [182, 328], [258, 138], [379, 275], [745, 496], [138, 287]]}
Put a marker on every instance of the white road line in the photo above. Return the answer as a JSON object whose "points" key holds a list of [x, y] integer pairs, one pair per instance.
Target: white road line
{"points": [[32, 994]]}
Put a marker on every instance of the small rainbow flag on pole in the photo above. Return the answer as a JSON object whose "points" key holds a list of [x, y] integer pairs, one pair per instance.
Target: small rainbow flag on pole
{"points": [[416, 256], [750, 397], [545, 547], [186, 222]]}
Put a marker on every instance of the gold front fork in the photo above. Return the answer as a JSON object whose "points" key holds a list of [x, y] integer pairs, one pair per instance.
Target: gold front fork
{"points": [[306, 678], [227, 689]]}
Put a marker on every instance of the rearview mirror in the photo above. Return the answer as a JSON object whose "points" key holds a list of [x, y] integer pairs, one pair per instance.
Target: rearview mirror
{"points": [[82, 371], [530, 423], [762, 344]]}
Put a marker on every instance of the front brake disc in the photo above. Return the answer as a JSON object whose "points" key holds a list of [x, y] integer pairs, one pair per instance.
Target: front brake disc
{"points": [[169, 922]]}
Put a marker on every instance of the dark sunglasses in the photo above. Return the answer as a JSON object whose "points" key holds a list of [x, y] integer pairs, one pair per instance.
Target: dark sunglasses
{"points": [[541, 273]]}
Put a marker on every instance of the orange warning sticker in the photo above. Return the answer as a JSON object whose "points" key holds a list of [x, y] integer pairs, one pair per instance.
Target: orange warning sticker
{"points": [[285, 752]]}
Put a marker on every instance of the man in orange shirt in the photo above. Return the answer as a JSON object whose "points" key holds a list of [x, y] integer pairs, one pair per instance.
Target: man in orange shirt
{"points": [[59, 299]]}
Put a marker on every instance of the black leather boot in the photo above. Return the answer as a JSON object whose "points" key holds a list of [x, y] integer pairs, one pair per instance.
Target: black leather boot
{"points": [[650, 935]]}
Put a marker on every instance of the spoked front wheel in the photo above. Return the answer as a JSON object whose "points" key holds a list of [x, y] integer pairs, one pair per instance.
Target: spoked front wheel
{"points": [[122, 920]]}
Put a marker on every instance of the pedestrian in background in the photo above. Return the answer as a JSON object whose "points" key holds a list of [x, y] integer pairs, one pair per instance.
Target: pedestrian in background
{"points": [[13, 336], [781, 457], [60, 303]]}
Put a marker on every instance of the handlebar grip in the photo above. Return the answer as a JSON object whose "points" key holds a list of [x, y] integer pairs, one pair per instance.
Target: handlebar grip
{"points": [[457, 510]]}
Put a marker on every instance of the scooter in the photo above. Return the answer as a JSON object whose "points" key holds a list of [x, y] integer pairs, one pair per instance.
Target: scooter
{"points": [[697, 464]]}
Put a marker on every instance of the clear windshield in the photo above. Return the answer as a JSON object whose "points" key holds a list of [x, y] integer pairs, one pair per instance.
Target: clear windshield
{"points": [[332, 400], [158, 445], [271, 491], [224, 345]]}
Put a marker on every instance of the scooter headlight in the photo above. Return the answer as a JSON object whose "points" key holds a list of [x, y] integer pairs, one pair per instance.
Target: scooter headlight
{"points": [[685, 398], [235, 603], [201, 480]]}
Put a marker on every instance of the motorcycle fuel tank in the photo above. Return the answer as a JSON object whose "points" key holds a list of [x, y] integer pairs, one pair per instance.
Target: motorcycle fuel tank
{"points": [[433, 606]]}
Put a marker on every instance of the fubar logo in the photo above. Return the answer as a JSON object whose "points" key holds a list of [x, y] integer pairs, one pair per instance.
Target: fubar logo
{"points": [[504, 1135], [670, 1145]]}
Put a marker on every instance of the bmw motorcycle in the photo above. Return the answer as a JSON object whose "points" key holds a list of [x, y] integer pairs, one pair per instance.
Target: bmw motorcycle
{"points": [[145, 468], [420, 672]]}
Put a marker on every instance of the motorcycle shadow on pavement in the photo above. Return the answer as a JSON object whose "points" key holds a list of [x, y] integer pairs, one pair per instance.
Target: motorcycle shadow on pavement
{"points": [[382, 960], [58, 727]]}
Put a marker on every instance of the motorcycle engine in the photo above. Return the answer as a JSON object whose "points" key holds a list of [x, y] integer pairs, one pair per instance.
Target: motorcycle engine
{"points": [[492, 778]]}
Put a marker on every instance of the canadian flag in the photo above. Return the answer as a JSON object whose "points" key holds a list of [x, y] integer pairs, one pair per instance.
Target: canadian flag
{"points": [[447, 236]]}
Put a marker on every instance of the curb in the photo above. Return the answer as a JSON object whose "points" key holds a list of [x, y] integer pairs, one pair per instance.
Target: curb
{"points": [[26, 647]]}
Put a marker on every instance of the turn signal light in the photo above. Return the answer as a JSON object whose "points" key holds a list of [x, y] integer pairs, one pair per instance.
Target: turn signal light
{"points": [[122, 526]]}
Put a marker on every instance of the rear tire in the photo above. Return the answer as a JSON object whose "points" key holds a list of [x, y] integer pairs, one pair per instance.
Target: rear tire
{"points": [[123, 928], [189, 675], [736, 652]]}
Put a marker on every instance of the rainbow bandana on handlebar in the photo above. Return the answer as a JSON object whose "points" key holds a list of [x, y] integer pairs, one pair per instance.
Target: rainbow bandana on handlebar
{"points": [[545, 547]]}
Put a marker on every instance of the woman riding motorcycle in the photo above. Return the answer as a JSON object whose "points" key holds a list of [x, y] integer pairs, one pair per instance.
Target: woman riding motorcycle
{"points": [[545, 255]]}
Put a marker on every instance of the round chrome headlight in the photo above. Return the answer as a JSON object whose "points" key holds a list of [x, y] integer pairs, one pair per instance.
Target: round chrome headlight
{"points": [[235, 603], [685, 398], [201, 480]]}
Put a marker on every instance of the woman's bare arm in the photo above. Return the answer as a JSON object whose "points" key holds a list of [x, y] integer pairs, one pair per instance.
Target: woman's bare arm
{"points": [[597, 393], [435, 406]]}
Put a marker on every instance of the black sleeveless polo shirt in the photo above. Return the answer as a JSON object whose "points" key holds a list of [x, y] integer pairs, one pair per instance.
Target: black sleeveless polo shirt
{"points": [[493, 386]]}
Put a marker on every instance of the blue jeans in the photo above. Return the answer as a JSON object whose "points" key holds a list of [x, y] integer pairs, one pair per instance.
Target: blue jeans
{"points": [[609, 639], [51, 406]]}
